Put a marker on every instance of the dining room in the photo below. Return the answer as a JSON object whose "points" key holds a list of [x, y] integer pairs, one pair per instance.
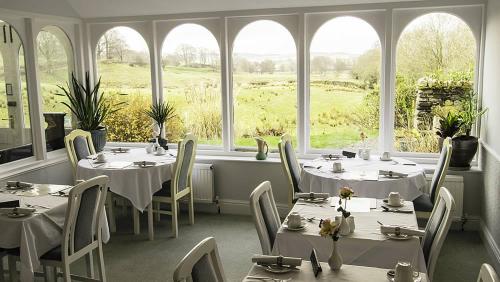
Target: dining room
{"points": [[249, 141]]}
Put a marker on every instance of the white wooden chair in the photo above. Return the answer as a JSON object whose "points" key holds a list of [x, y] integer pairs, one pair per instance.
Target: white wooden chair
{"points": [[437, 228], [201, 264], [425, 202], [82, 231], [487, 274], [290, 166], [79, 146], [265, 215], [178, 187]]}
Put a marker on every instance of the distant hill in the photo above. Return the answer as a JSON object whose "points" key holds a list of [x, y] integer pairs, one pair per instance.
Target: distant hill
{"points": [[285, 57]]}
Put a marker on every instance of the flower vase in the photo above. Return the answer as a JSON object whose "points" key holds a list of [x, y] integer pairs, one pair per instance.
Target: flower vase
{"points": [[335, 260], [345, 229]]}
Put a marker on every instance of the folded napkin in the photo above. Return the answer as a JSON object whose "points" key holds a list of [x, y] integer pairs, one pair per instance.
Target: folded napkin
{"points": [[19, 184], [17, 210], [312, 195], [385, 229], [276, 260], [391, 173]]}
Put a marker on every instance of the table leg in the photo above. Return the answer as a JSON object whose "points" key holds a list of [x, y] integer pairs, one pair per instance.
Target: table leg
{"points": [[137, 224], [150, 222]]}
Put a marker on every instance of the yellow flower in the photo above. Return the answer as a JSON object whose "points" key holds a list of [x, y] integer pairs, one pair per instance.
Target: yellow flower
{"points": [[328, 228], [363, 136], [346, 192]]}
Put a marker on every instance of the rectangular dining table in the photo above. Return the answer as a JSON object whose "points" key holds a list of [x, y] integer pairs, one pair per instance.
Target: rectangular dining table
{"points": [[41, 231], [366, 246], [348, 273]]}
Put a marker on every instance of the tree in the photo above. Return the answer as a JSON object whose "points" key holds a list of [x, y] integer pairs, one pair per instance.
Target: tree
{"points": [[49, 49], [111, 46], [367, 67], [267, 66], [321, 64], [186, 53]]}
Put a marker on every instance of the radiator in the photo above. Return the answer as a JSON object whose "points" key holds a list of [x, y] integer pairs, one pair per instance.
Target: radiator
{"points": [[203, 183], [455, 184]]}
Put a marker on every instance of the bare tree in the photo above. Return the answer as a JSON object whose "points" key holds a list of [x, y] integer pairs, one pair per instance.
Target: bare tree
{"points": [[111, 46], [267, 66], [50, 50], [186, 53], [321, 64]]}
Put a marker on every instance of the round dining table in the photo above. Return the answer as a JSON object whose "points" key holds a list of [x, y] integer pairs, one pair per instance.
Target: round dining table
{"points": [[133, 174], [371, 178]]}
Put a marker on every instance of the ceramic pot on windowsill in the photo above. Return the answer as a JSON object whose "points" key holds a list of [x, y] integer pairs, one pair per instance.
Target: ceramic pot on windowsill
{"points": [[99, 138]]}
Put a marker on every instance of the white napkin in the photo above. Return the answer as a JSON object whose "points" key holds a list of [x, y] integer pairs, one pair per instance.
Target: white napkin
{"points": [[391, 173], [17, 210], [19, 184], [312, 195], [385, 229], [270, 260]]}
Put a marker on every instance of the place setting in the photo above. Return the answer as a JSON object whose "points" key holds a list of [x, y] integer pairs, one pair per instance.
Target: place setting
{"points": [[276, 268], [295, 222], [395, 203]]}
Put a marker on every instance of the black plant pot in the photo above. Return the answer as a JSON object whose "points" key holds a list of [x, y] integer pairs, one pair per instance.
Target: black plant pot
{"points": [[163, 143], [99, 138], [464, 150]]}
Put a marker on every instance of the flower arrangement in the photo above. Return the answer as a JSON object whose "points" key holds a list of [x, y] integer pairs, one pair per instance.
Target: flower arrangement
{"points": [[329, 228], [345, 194]]}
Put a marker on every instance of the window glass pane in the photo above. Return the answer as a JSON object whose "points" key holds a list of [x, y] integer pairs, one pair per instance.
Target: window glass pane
{"points": [[344, 84], [434, 69], [55, 64], [15, 133], [191, 83], [123, 65], [264, 84]]}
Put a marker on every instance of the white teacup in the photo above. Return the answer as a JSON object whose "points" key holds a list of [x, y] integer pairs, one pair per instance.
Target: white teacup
{"points": [[160, 151], [404, 272], [149, 148], [386, 156], [337, 166], [101, 157], [394, 199], [365, 155], [294, 220], [352, 226]]}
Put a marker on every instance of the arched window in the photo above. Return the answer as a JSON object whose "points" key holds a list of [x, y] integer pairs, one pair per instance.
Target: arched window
{"points": [[55, 65], [434, 68], [264, 84], [15, 136], [191, 83], [123, 66], [344, 84]]}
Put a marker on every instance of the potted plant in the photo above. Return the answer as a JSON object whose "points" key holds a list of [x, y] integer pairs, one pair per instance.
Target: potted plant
{"points": [[161, 113], [449, 126], [464, 145], [90, 108]]}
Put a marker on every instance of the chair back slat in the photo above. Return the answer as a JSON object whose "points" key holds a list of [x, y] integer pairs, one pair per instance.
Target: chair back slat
{"points": [[290, 166], [184, 164], [265, 215], [441, 169], [201, 264], [437, 228], [78, 146], [85, 207], [487, 274]]}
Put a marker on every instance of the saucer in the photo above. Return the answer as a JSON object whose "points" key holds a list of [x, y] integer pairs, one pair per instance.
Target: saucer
{"points": [[160, 154], [278, 269], [386, 201], [400, 237], [100, 162], [120, 150], [341, 171], [301, 227], [385, 160], [391, 273], [314, 200]]}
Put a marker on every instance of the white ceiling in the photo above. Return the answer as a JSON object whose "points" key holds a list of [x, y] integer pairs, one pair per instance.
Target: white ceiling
{"points": [[116, 8]]}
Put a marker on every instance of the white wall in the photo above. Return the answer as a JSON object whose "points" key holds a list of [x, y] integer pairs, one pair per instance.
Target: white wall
{"points": [[490, 160], [48, 7]]}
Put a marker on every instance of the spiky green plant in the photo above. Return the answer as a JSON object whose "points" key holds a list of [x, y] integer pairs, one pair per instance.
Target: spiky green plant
{"points": [[88, 105], [449, 125], [161, 112]]}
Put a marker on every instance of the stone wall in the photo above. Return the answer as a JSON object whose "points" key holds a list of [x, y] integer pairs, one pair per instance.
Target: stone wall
{"points": [[428, 98]]}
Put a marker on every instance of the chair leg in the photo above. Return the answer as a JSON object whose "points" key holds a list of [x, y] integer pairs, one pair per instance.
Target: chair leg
{"points": [[175, 230], [13, 269], [102, 270], [66, 272], [46, 273], [191, 208], [150, 222], [137, 224], [111, 212], [89, 261], [2, 273], [157, 208]]}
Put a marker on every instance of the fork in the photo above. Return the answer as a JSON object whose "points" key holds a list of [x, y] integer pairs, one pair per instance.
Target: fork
{"points": [[265, 278]]}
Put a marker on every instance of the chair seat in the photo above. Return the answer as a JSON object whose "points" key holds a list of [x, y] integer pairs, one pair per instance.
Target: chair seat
{"points": [[54, 254], [164, 191], [423, 203]]}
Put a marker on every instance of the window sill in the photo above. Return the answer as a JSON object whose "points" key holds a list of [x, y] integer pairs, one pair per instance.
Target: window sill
{"points": [[30, 164]]}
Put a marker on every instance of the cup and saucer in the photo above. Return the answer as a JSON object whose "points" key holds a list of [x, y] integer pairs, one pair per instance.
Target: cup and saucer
{"points": [[404, 272], [100, 159], [160, 151], [385, 157], [294, 222], [394, 200]]}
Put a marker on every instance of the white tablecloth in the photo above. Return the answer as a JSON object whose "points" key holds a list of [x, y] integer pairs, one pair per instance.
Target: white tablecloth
{"points": [[348, 273], [134, 183], [365, 247], [324, 180], [39, 233]]}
